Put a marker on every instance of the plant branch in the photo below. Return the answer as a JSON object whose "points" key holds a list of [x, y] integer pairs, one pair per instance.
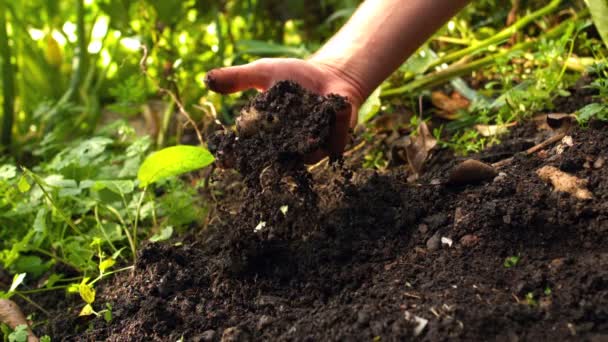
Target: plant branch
{"points": [[8, 80]]}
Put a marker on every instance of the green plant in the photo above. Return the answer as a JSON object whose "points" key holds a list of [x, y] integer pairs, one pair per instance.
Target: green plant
{"points": [[375, 159], [530, 299], [511, 261], [599, 109]]}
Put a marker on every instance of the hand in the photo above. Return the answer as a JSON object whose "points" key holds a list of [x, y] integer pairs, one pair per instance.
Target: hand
{"points": [[316, 76]]}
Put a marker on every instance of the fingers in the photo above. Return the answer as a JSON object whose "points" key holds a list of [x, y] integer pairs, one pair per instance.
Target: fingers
{"points": [[239, 78]]}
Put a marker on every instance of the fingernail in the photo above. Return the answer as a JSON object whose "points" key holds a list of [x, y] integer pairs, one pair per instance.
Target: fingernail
{"points": [[210, 80]]}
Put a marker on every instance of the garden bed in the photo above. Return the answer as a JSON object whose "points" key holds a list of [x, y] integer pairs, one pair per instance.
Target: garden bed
{"points": [[348, 253]]}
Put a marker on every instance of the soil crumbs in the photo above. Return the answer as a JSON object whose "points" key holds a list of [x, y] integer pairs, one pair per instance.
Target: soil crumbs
{"points": [[357, 255]]}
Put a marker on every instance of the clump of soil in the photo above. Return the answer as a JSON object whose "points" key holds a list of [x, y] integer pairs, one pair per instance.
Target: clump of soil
{"points": [[358, 255], [277, 129]]}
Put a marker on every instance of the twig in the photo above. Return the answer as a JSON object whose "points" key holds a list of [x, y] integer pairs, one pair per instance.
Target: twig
{"points": [[144, 69], [531, 150]]}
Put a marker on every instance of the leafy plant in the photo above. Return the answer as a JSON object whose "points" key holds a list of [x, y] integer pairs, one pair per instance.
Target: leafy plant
{"points": [[511, 261]]}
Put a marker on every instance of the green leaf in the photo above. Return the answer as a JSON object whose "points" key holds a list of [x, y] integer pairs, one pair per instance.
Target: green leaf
{"points": [[87, 310], [511, 261], [31, 264], [17, 280], [23, 185], [120, 187], [45, 338], [370, 107], [106, 264], [7, 171], [164, 234], [86, 291], [171, 162], [593, 110], [599, 13], [19, 335]]}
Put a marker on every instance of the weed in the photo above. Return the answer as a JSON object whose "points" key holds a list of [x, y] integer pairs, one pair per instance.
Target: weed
{"points": [[375, 160], [511, 261], [530, 300]]}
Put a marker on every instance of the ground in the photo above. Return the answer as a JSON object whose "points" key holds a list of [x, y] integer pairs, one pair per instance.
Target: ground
{"points": [[348, 253]]}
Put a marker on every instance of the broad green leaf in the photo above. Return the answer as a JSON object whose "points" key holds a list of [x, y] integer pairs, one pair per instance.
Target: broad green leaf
{"points": [[164, 234], [599, 13], [7, 171], [173, 161], [19, 334], [120, 187], [17, 280], [590, 111], [370, 107]]}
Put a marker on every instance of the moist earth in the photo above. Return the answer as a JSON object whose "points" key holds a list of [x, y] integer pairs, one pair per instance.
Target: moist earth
{"points": [[348, 253]]}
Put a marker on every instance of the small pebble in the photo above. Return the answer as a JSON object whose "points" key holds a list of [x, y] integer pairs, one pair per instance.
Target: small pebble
{"points": [[423, 228], [500, 178], [434, 242], [235, 334], [264, 321], [469, 240], [208, 336], [599, 162], [362, 318]]}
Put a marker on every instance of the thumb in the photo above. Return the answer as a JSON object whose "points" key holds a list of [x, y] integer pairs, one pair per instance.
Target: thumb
{"points": [[238, 78]]}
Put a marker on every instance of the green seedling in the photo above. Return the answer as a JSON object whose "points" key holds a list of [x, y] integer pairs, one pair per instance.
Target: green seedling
{"points": [[511, 261], [530, 300]]}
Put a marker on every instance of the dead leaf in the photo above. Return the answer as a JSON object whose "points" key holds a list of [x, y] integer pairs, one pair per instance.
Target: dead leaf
{"points": [[492, 130], [471, 171], [449, 105], [419, 147], [565, 182], [11, 315]]}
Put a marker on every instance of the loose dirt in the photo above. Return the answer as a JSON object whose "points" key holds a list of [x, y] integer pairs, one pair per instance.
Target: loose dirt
{"points": [[354, 254]]}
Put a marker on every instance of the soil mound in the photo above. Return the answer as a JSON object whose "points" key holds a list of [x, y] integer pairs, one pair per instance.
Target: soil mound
{"points": [[358, 255]]}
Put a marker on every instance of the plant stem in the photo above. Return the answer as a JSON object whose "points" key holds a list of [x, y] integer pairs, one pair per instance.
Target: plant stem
{"points": [[110, 273], [457, 69], [65, 217], [137, 210], [8, 80], [499, 37]]}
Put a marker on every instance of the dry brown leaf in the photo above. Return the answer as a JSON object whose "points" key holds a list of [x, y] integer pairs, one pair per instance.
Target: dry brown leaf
{"points": [[449, 105], [11, 315], [471, 171], [419, 147], [565, 182]]}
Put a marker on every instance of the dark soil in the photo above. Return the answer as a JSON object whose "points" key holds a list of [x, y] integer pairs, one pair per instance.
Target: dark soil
{"points": [[355, 255]]}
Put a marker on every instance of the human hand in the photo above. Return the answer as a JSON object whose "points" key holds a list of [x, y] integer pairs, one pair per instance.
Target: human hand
{"points": [[317, 76]]}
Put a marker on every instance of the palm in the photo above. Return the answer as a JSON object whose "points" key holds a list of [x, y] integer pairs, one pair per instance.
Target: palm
{"points": [[314, 76]]}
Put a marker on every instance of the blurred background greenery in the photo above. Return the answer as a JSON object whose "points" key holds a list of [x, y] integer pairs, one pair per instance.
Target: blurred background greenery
{"points": [[77, 63]]}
